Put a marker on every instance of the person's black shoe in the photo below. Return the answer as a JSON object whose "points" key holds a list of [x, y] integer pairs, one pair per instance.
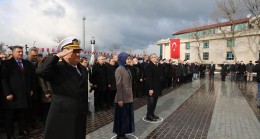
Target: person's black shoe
{"points": [[23, 133], [156, 117], [150, 118], [121, 137]]}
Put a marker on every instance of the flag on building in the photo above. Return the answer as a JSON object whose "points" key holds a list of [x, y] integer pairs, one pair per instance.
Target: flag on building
{"points": [[175, 48]]}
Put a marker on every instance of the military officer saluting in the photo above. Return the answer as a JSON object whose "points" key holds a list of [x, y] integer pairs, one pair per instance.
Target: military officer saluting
{"points": [[68, 78]]}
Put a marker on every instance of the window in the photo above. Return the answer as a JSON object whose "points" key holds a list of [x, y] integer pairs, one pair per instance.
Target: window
{"points": [[206, 56], [240, 27], [231, 42], [230, 56], [205, 44], [187, 45], [187, 56]]}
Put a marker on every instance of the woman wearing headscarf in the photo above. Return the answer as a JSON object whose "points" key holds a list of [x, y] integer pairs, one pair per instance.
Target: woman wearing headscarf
{"points": [[124, 111]]}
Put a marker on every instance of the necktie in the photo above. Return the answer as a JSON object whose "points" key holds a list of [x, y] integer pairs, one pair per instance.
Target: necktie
{"points": [[78, 71], [20, 65]]}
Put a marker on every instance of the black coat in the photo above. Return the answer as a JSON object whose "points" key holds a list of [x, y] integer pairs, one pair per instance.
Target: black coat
{"points": [[99, 76], [67, 115], [241, 69], [256, 69], [212, 68], [154, 77], [111, 69], [224, 70], [17, 83]]}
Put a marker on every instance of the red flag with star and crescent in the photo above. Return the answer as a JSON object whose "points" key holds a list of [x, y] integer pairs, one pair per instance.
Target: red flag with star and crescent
{"points": [[175, 48]]}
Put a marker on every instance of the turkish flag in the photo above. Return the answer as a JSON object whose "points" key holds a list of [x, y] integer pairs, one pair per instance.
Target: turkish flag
{"points": [[175, 48], [53, 50], [48, 50], [42, 50]]}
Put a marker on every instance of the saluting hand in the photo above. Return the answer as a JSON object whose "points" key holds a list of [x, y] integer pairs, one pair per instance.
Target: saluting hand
{"points": [[64, 52]]}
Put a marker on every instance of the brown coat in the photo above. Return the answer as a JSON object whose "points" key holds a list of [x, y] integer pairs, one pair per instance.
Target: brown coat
{"points": [[124, 85]]}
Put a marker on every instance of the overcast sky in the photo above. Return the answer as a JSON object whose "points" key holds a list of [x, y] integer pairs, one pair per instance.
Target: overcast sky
{"points": [[135, 24]]}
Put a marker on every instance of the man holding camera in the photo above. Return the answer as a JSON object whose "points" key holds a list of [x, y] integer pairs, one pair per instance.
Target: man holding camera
{"points": [[256, 69]]}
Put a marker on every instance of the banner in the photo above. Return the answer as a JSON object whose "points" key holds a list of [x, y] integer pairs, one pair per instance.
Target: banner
{"points": [[175, 48]]}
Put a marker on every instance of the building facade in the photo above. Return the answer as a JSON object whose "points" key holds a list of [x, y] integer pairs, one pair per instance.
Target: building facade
{"points": [[237, 40]]}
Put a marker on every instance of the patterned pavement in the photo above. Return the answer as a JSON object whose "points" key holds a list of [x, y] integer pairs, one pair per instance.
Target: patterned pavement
{"points": [[201, 109]]}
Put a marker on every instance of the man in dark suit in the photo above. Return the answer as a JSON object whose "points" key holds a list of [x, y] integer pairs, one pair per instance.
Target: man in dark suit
{"points": [[34, 112], [211, 69], [154, 76], [224, 71], [17, 84], [69, 80], [100, 83]]}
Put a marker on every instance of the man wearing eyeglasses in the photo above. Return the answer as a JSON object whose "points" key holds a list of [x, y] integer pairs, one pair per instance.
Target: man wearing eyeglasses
{"points": [[69, 80]]}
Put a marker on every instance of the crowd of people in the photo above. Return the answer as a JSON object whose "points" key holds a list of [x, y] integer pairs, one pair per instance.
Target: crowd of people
{"points": [[34, 88]]}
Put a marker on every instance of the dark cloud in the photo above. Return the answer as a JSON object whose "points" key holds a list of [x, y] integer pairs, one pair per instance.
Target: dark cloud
{"points": [[140, 22]]}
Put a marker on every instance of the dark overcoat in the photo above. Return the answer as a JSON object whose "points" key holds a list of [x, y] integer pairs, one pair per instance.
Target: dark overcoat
{"points": [[99, 76], [111, 69], [67, 115], [224, 70], [212, 68], [154, 77], [16, 82]]}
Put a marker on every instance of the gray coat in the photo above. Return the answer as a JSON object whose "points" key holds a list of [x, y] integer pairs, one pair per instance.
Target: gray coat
{"points": [[124, 85]]}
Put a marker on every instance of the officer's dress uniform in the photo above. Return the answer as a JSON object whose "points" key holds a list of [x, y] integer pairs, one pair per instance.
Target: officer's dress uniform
{"points": [[67, 114]]}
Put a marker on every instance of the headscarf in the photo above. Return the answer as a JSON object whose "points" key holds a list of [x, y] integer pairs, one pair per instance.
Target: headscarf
{"points": [[122, 59]]}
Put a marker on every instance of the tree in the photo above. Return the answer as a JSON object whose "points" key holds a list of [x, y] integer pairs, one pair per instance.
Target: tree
{"points": [[253, 8], [58, 39], [2, 49], [228, 11]]}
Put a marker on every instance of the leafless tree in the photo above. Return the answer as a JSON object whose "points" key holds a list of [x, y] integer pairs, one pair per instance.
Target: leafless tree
{"points": [[252, 7], [2, 49], [58, 39], [228, 11]]}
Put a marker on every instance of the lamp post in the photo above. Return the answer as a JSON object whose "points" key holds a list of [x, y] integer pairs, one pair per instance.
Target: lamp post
{"points": [[83, 19], [92, 58], [26, 51]]}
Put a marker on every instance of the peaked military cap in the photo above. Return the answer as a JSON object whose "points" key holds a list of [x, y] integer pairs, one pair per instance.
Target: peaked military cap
{"points": [[69, 43]]}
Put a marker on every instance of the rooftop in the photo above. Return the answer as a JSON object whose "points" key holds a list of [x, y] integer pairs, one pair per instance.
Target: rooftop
{"points": [[244, 20]]}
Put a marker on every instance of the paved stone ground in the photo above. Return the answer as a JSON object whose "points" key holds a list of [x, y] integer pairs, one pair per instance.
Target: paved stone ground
{"points": [[200, 109], [166, 105], [233, 118], [192, 119]]}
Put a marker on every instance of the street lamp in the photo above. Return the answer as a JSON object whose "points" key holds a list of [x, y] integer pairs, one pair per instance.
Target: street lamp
{"points": [[26, 47], [92, 58]]}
